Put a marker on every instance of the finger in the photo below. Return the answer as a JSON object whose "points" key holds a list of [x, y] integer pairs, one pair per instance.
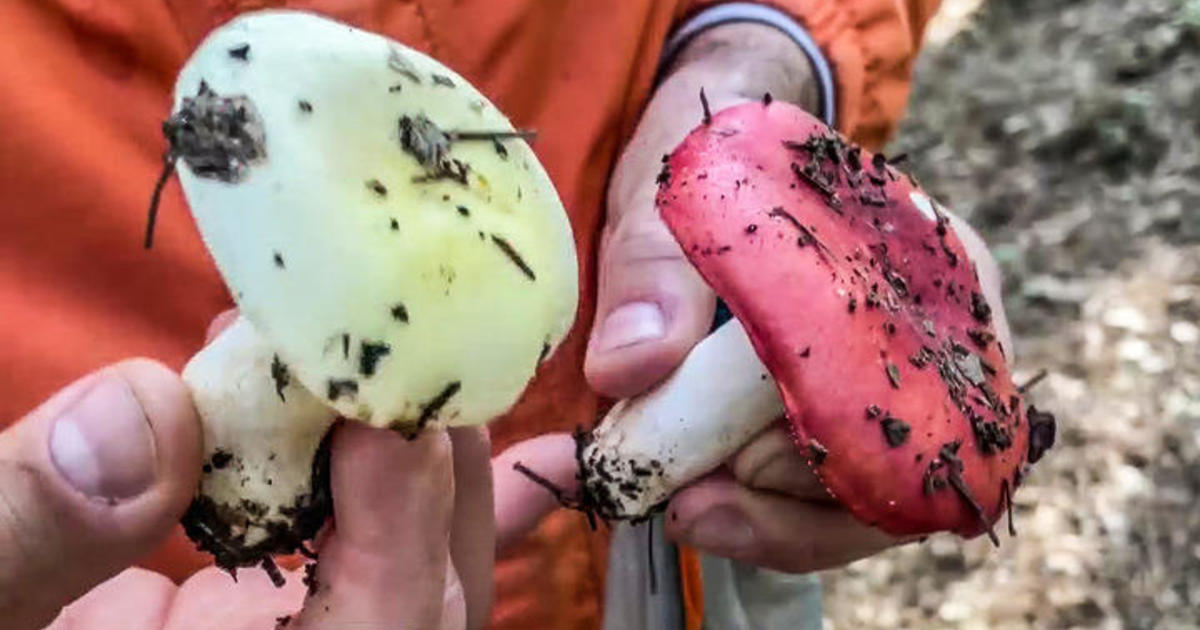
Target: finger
{"points": [[135, 599], [473, 532], [219, 323], [771, 462], [521, 503], [652, 305], [211, 600], [90, 482], [386, 561], [721, 517]]}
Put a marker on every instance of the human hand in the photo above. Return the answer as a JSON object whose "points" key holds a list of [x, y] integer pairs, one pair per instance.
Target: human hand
{"points": [[90, 481], [389, 560], [765, 506], [99, 475]]}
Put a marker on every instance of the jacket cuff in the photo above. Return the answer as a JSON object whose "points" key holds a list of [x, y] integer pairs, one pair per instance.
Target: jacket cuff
{"points": [[734, 12], [870, 46]]}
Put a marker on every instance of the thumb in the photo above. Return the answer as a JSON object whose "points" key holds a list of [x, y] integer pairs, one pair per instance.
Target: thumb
{"points": [[91, 481], [652, 305]]}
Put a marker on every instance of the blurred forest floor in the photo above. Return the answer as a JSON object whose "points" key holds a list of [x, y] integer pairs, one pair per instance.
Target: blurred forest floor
{"points": [[1068, 131]]}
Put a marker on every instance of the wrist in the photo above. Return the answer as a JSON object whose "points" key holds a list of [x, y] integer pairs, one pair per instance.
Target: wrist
{"points": [[757, 13], [733, 63], [742, 61]]}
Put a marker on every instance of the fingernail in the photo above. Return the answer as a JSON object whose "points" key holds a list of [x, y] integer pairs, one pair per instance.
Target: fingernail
{"points": [[631, 324], [102, 445], [721, 530]]}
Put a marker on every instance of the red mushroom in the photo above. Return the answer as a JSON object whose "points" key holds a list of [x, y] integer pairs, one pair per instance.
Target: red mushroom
{"points": [[859, 299]]}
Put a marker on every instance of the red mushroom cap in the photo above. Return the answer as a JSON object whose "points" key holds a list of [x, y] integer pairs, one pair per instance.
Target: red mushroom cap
{"points": [[862, 302]]}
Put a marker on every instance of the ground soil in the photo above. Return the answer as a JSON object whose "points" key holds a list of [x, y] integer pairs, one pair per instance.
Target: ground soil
{"points": [[1068, 131]]}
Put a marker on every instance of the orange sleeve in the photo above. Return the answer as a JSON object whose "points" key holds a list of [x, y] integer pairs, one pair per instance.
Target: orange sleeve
{"points": [[871, 45], [691, 587]]}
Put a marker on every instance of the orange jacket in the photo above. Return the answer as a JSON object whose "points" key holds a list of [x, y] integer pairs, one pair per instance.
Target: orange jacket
{"points": [[87, 83]]}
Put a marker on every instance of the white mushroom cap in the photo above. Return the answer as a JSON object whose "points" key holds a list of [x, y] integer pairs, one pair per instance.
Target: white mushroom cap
{"points": [[393, 300]]}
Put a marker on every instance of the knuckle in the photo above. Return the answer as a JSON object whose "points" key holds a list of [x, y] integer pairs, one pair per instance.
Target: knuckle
{"points": [[754, 464], [638, 238], [749, 466]]}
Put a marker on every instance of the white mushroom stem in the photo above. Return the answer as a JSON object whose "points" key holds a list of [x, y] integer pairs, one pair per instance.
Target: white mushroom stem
{"points": [[259, 439], [648, 447]]}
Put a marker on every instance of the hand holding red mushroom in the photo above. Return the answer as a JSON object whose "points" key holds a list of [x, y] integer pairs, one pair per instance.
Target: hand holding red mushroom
{"points": [[812, 279]]}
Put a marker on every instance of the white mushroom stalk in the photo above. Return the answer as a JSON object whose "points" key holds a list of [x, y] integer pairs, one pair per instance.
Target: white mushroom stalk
{"points": [[262, 487], [399, 255], [650, 446]]}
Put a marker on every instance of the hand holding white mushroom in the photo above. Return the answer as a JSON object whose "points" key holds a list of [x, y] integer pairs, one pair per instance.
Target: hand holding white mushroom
{"points": [[398, 254]]}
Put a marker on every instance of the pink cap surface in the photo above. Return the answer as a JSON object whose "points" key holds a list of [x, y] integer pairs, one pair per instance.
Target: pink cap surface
{"points": [[861, 301]]}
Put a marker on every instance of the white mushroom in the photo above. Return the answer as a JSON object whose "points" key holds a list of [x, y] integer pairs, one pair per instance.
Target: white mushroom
{"points": [[649, 446], [398, 253]]}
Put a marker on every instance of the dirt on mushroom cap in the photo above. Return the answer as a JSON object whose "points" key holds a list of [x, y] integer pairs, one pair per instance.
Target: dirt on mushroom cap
{"points": [[858, 296], [350, 204]]}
